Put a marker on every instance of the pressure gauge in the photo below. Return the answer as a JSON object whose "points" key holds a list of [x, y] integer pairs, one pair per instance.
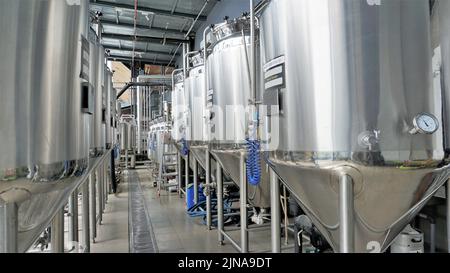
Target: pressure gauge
{"points": [[425, 123]]}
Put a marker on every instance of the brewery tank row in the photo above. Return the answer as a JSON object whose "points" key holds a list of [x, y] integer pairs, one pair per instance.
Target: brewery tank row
{"points": [[346, 121], [57, 112]]}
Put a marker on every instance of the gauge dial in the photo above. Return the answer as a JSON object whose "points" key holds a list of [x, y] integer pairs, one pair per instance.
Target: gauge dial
{"points": [[426, 123]]}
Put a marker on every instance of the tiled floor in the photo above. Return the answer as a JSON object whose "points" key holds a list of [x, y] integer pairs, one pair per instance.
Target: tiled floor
{"points": [[174, 230]]}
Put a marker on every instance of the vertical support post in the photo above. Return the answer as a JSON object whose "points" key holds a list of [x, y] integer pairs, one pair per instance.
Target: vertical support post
{"points": [[195, 181], [8, 228], [126, 159], [346, 229], [85, 215], [243, 205], [57, 232], [219, 180], [275, 217], [179, 176], [100, 193], [73, 219], [93, 201], [186, 176], [448, 215], [208, 189]]}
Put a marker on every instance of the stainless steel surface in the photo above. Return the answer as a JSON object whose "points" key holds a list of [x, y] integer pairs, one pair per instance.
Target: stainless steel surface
{"points": [[8, 228], [57, 234], [228, 94], [243, 205], [219, 181], [348, 72], [44, 132], [275, 217], [73, 217], [346, 215], [108, 92], [179, 109], [444, 22], [448, 214], [186, 176]]}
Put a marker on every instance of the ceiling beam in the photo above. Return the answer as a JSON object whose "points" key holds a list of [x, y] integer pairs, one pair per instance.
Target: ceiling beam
{"points": [[147, 61], [130, 50], [147, 9], [155, 40], [163, 31]]}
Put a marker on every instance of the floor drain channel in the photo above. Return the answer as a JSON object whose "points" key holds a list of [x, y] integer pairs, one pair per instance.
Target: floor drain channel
{"points": [[142, 239]]}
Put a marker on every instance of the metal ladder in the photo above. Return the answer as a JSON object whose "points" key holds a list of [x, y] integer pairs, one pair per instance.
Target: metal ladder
{"points": [[162, 172]]}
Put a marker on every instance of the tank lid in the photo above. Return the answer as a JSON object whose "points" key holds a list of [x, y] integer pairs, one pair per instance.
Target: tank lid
{"points": [[231, 26]]}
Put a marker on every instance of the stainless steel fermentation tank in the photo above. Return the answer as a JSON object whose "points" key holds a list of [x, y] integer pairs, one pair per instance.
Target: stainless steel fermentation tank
{"points": [[228, 95], [44, 124], [350, 82], [179, 109]]}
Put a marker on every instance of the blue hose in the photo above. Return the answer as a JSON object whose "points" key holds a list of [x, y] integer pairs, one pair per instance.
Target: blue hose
{"points": [[253, 162], [184, 148]]}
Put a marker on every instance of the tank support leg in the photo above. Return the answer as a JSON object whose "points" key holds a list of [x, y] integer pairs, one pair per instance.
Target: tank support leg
{"points": [[93, 201], [73, 219], [448, 215], [186, 177], [275, 217], [208, 188], [8, 228], [57, 232], [243, 205], [85, 216], [219, 180], [195, 181], [346, 214]]}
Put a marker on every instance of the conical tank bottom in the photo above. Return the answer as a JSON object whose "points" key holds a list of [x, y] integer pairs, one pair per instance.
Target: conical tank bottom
{"points": [[385, 198], [258, 196]]}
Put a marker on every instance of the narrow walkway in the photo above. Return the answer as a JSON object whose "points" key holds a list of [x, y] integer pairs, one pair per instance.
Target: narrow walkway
{"points": [[112, 234]]}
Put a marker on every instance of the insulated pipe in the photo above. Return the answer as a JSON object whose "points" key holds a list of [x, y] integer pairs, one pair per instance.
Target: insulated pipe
{"points": [[243, 205], [73, 219], [85, 216], [275, 217], [219, 181], [8, 227], [346, 209], [57, 232]]}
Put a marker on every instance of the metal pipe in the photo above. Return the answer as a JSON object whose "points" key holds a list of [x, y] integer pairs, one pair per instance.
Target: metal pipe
{"points": [[93, 209], [219, 181], [346, 229], [205, 56], [8, 227], [85, 216], [73, 219], [243, 204], [179, 176], [233, 242], [253, 50], [57, 232], [100, 193], [196, 19], [173, 57], [195, 181], [186, 176], [126, 159], [275, 212], [208, 188]]}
